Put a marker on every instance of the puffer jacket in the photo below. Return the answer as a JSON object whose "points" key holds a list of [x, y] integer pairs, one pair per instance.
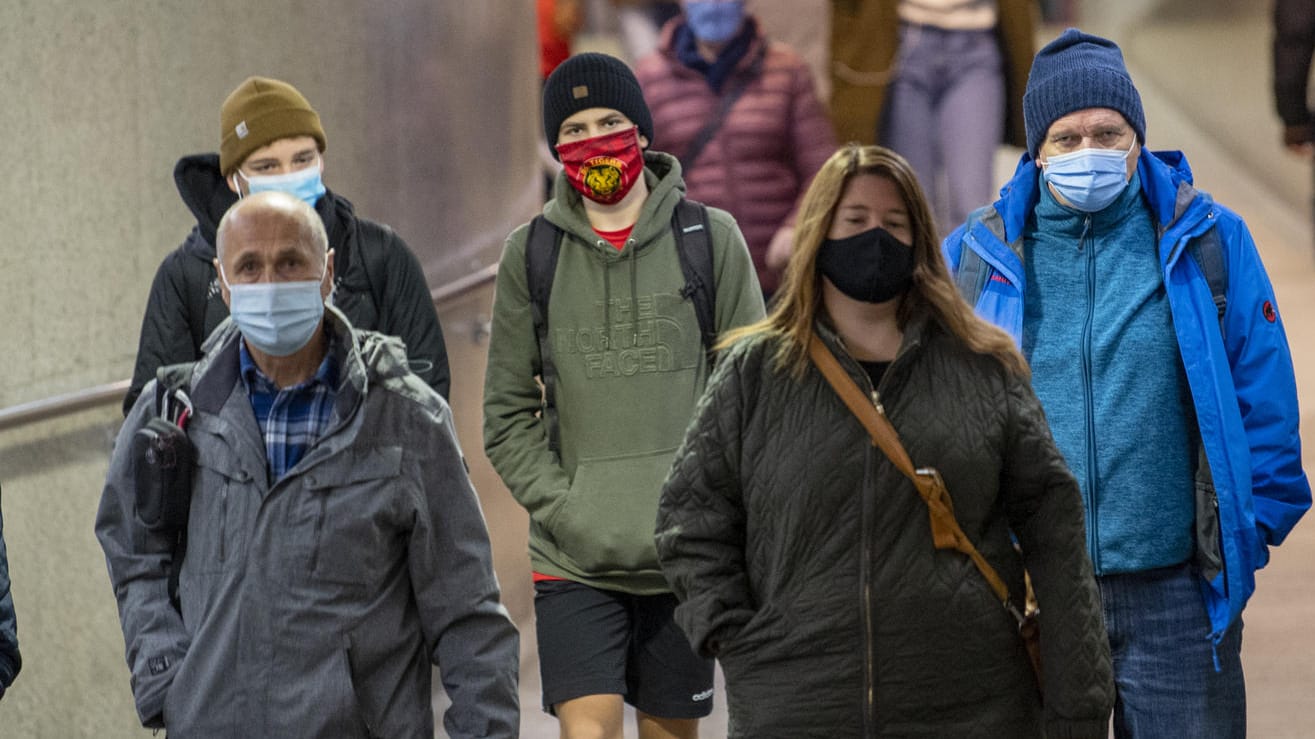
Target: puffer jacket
{"points": [[377, 284], [804, 561], [630, 366], [769, 146], [315, 605]]}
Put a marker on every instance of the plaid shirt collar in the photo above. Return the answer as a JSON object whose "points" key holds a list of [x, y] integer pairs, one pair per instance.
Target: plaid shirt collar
{"points": [[290, 419]]}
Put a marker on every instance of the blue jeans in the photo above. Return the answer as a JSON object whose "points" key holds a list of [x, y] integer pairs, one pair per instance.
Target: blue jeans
{"points": [[945, 114], [1164, 671]]}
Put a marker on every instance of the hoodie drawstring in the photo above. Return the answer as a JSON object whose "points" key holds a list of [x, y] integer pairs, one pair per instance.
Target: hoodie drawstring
{"points": [[634, 296]]}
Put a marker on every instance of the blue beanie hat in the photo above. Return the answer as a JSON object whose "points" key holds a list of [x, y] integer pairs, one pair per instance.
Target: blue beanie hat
{"points": [[1074, 72]]}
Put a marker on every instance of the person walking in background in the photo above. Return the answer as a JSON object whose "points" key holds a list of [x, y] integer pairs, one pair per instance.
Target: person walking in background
{"points": [[741, 115], [939, 81], [11, 661], [1293, 46], [272, 139], [558, 22], [590, 299], [335, 548], [802, 555], [1159, 355], [640, 23]]}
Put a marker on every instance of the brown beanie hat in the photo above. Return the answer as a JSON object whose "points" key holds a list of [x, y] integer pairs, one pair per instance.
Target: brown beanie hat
{"points": [[259, 112]]}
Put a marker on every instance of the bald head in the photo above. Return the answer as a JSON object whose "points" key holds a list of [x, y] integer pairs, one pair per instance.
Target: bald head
{"points": [[272, 215]]}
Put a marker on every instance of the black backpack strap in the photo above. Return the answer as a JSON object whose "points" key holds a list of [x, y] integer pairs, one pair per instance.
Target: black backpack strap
{"points": [[171, 384], [542, 247], [1209, 255], [371, 238], [689, 221]]}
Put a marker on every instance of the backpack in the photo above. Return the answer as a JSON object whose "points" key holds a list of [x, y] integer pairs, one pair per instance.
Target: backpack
{"points": [[689, 224], [162, 469]]}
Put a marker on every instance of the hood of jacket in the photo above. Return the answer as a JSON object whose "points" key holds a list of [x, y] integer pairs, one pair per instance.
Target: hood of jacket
{"points": [[206, 194], [1166, 183]]}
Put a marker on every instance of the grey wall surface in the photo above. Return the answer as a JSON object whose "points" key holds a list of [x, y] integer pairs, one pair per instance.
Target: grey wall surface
{"points": [[430, 110]]}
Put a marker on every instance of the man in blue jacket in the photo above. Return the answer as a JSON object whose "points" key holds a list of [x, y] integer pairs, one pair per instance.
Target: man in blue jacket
{"points": [[1159, 356]]}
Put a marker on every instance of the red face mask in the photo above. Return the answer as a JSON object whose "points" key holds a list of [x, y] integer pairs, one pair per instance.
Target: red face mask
{"points": [[604, 168]]}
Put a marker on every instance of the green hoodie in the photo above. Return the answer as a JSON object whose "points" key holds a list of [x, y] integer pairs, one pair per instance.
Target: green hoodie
{"points": [[626, 388]]}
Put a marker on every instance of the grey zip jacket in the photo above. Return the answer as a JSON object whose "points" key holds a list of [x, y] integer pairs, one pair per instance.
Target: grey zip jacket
{"points": [[313, 606]]}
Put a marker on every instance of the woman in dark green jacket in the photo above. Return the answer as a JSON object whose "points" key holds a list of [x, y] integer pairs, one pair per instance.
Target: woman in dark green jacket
{"points": [[804, 559]]}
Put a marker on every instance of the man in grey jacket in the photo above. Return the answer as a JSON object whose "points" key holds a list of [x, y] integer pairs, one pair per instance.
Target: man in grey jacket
{"points": [[334, 548]]}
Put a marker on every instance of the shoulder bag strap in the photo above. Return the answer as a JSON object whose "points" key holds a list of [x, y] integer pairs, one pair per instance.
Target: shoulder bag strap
{"points": [[705, 134], [945, 530]]}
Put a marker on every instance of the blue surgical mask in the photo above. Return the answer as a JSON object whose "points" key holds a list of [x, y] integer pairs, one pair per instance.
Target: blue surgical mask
{"points": [[278, 318], [304, 184], [1089, 179], [714, 22]]}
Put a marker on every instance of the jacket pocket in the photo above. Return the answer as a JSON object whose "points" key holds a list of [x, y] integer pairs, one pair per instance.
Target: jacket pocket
{"points": [[767, 625], [348, 516], [214, 530], [607, 520]]}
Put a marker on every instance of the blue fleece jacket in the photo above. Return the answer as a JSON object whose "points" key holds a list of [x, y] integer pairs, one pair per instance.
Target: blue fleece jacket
{"points": [[1099, 335]]}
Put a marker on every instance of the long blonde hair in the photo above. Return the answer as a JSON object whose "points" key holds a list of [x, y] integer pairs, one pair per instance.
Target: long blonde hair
{"points": [[933, 291]]}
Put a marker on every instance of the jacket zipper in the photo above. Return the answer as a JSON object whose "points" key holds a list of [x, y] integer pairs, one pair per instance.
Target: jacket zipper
{"points": [[1087, 394]]}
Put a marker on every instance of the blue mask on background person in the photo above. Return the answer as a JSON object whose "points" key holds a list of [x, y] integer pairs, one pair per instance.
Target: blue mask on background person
{"points": [[278, 318], [1089, 179], [872, 266], [304, 184], [714, 22]]}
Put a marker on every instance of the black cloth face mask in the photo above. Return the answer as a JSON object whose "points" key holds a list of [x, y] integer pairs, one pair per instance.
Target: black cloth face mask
{"points": [[872, 266]]}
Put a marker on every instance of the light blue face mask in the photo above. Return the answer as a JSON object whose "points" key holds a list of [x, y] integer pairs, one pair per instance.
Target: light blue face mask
{"points": [[714, 22], [1089, 179], [304, 184], [278, 318]]}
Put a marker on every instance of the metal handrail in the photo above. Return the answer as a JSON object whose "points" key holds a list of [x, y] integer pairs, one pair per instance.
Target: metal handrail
{"points": [[107, 394]]}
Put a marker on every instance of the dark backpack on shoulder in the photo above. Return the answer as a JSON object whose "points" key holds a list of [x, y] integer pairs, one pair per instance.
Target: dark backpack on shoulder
{"points": [[689, 224], [164, 459]]}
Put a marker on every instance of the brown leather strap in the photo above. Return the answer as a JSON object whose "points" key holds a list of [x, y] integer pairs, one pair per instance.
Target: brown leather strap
{"points": [[945, 530]]}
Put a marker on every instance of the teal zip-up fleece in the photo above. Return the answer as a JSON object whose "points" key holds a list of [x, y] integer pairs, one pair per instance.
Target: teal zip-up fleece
{"points": [[1099, 334], [631, 366]]}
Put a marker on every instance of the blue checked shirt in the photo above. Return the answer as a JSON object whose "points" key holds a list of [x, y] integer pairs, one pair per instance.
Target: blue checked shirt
{"points": [[291, 419]]}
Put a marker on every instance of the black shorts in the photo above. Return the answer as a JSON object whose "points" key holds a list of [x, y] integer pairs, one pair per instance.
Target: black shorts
{"points": [[602, 642]]}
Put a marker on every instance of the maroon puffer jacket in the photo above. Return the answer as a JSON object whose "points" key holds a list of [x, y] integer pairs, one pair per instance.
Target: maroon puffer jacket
{"points": [[770, 144]]}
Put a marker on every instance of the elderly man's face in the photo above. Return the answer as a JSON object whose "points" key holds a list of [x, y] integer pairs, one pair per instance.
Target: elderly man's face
{"points": [[1090, 128], [267, 245]]}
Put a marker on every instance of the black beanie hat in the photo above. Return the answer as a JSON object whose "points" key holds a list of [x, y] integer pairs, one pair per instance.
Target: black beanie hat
{"points": [[592, 80], [1074, 72]]}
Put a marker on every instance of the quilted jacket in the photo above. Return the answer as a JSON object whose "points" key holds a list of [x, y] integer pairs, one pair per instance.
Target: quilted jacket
{"points": [[804, 559], [770, 144]]}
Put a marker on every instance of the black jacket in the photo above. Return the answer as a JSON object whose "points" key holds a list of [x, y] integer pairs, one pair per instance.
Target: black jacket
{"points": [[378, 283], [1294, 43], [803, 559]]}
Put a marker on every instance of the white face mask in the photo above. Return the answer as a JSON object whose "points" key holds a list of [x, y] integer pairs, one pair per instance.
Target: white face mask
{"points": [[278, 318], [1089, 179]]}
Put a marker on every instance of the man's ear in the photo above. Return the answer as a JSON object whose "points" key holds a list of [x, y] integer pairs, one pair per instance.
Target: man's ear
{"points": [[326, 285], [223, 288], [231, 181], [643, 141]]}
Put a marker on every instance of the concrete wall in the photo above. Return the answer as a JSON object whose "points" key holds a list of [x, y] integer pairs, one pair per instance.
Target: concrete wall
{"points": [[430, 110]]}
